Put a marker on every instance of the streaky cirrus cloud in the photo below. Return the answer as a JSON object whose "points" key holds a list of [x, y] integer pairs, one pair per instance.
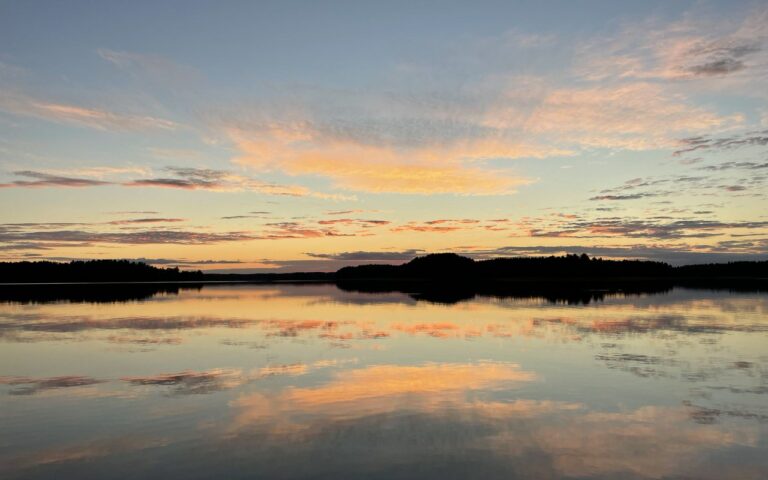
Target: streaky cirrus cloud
{"points": [[132, 221], [701, 46], [42, 179], [155, 68], [706, 142], [358, 256], [663, 228], [184, 178], [632, 116], [91, 117], [223, 180], [141, 237]]}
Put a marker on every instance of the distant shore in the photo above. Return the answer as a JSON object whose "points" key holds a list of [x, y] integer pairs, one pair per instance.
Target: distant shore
{"points": [[440, 269]]}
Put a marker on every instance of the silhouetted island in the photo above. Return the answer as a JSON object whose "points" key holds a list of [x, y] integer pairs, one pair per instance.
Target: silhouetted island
{"points": [[453, 267], [448, 278]]}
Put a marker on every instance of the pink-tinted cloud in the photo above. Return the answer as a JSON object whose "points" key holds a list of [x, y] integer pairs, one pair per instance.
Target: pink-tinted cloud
{"points": [[22, 104], [634, 116], [225, 181], [132, 221]]}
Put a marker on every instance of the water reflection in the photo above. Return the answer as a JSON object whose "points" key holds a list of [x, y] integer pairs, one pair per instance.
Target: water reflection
{"points": [[90, 293], [311, 381]]}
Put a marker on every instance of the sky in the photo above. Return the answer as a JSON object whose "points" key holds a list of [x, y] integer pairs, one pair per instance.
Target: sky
{"points": [[289, 136]]}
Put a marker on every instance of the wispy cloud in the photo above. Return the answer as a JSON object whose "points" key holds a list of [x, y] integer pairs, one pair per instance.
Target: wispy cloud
{"points": [[749, 139], [627, 227], [132, 221], [634, 116], [226, 181], [369, 168], [364, 256], [99, 119], [699, 46], [155, 68], [41, 179], [179, 178], [139, 237]]}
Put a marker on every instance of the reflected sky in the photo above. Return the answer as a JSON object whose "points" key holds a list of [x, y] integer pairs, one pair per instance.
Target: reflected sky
{"points": [[309, 381]]}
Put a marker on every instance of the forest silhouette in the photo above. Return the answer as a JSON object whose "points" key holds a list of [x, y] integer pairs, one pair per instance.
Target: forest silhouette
{"points": [[442, 278], [437, 267]]}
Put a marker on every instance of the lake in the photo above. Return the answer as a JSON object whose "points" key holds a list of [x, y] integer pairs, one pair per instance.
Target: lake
{"points": [[311, 381]]}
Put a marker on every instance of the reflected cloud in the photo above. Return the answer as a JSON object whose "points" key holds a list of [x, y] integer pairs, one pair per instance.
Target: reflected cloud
{"points": [[191, 382], [80, 452], [647, 442], [64, 324], [378, 389], [31, 386], [650, 442], [292, 370]]}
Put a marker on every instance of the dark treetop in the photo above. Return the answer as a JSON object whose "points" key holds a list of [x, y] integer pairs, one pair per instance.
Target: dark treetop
{"points": [[91, 271], [438, 268], [454, 267]]}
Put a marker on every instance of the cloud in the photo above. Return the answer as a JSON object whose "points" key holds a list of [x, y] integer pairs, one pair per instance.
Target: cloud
{"points": [[359, 222], [637, 228], [155, 68], [634, 116], [348, 212], [226, 181], [132, 221], [749, 139], [359, 256], [180, 237], [238, 217], [21, 104], [373, 142], [736, 166], [633, 196], [745, 177], [42, 179], [373, 169], [284, 230], [721, 66], [438, 225], [181, 177], [699, 46], [135, 212]]}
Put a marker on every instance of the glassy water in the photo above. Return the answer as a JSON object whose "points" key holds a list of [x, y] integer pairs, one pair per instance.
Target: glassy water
{"points": [[314, 382]]}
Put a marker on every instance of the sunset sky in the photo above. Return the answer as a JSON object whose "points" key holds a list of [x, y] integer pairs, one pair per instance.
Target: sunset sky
{"points": [[311, 135]]}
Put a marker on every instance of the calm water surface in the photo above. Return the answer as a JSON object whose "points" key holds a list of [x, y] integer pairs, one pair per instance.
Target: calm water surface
{"points": [[314, 382]]}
